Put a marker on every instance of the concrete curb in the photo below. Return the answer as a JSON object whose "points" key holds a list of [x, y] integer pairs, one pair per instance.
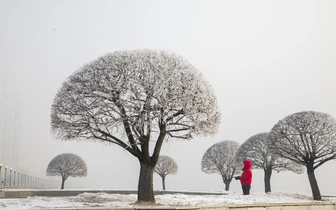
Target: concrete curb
{"points": [[8, 193], [294, 206]]}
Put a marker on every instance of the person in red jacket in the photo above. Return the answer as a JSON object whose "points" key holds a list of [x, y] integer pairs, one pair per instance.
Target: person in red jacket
{"points": [[246, 177]]}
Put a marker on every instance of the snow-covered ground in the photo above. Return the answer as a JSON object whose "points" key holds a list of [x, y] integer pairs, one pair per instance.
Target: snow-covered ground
{"points": [[119, 200]]}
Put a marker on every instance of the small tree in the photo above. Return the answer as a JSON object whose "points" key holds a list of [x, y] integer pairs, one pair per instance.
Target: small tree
{"points": [[221, 158], [257, 149], [307, 138], [165, 165], [136, 100], [66, 165]]}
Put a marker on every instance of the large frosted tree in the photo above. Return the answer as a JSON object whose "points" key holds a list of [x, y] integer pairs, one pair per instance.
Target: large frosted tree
{"points": [[67, 165], [165, 166], [307, 138], [257, 149], [220, 158], [136, 100]]}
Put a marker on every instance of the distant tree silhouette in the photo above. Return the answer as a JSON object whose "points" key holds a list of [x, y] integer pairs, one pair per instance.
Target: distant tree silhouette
{"points": [[221, 158], [307, 138], [257, 149], [165, 165], [66, 165]]}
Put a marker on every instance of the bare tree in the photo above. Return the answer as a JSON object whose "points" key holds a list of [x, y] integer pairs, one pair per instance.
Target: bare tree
{"points": [[136, 100], [165, 165], [221, 158], [307, 138], [257, 149], [66, 165]]}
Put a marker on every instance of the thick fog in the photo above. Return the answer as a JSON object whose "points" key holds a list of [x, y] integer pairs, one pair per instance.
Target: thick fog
{"points": [[265, 60]]}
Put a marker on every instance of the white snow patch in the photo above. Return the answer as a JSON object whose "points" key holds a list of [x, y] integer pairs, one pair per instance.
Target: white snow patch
{"points": [[120, 200]]}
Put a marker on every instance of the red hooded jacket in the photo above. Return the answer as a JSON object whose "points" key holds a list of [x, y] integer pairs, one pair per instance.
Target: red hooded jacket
{"points": [[246, 177]]}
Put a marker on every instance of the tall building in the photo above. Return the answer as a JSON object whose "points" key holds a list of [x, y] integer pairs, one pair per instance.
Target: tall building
{"points": [[10, 126]]}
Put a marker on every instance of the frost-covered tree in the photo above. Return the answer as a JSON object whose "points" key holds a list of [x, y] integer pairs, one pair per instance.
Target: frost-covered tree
{"points": [[221, 158], [257, 149], [67, 165], [165, 165], [136, 100], [307, 138]]}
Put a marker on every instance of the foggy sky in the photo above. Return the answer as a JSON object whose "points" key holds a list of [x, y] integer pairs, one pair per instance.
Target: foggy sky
{"points": [[265, 59]]}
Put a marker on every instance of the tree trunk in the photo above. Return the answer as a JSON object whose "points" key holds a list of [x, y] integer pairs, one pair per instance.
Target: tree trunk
{"points": [[313, 183], [267, 179], [227, 183], [163, 182], [62, 185], [227, 186], [145, 186]]}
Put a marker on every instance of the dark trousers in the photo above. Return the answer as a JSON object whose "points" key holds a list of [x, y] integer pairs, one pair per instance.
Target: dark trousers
{"points": [[246, 189]]}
